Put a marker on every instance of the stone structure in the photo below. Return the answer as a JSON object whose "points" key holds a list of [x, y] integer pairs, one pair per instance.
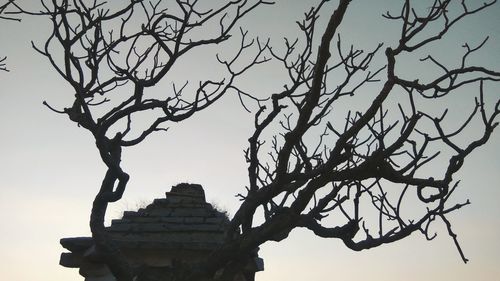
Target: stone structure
{"points": [[181, 227]]}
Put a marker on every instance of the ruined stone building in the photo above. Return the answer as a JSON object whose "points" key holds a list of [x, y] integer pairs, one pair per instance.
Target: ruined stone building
{"points": [[182, 226]]}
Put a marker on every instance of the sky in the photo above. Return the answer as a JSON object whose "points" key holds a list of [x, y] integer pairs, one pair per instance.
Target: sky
{"points": [[50, 169]]}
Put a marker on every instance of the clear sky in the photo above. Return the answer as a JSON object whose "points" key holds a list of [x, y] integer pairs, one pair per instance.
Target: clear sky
{"points": [[50, 169]]}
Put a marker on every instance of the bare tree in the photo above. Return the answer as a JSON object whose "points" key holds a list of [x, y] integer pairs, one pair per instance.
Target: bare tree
{"points": [[313, 166], [102, 49], [318, 169], [5, 15]]}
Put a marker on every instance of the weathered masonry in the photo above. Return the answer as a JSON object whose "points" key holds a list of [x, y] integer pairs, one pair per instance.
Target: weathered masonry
{"points": [[181, 227]]}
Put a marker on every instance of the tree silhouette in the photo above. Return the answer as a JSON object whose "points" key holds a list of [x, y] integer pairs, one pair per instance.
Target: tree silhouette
{"points": [[313, 168]]}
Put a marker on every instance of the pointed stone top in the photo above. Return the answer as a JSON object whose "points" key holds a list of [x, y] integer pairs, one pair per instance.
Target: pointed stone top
{"points": [[187, 190]]}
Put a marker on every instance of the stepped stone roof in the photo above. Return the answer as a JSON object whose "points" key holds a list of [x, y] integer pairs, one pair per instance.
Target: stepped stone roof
{"points": [[181, 221]]}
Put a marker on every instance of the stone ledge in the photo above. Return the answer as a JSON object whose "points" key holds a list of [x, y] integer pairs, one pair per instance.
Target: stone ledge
{"points": [[165, 227], [184, 237], [70, 260], [77, 244], [219, 220], [168, 245]]}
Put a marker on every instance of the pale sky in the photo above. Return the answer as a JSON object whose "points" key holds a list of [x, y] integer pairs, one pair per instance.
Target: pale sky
{"points": [[50, 169]]}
